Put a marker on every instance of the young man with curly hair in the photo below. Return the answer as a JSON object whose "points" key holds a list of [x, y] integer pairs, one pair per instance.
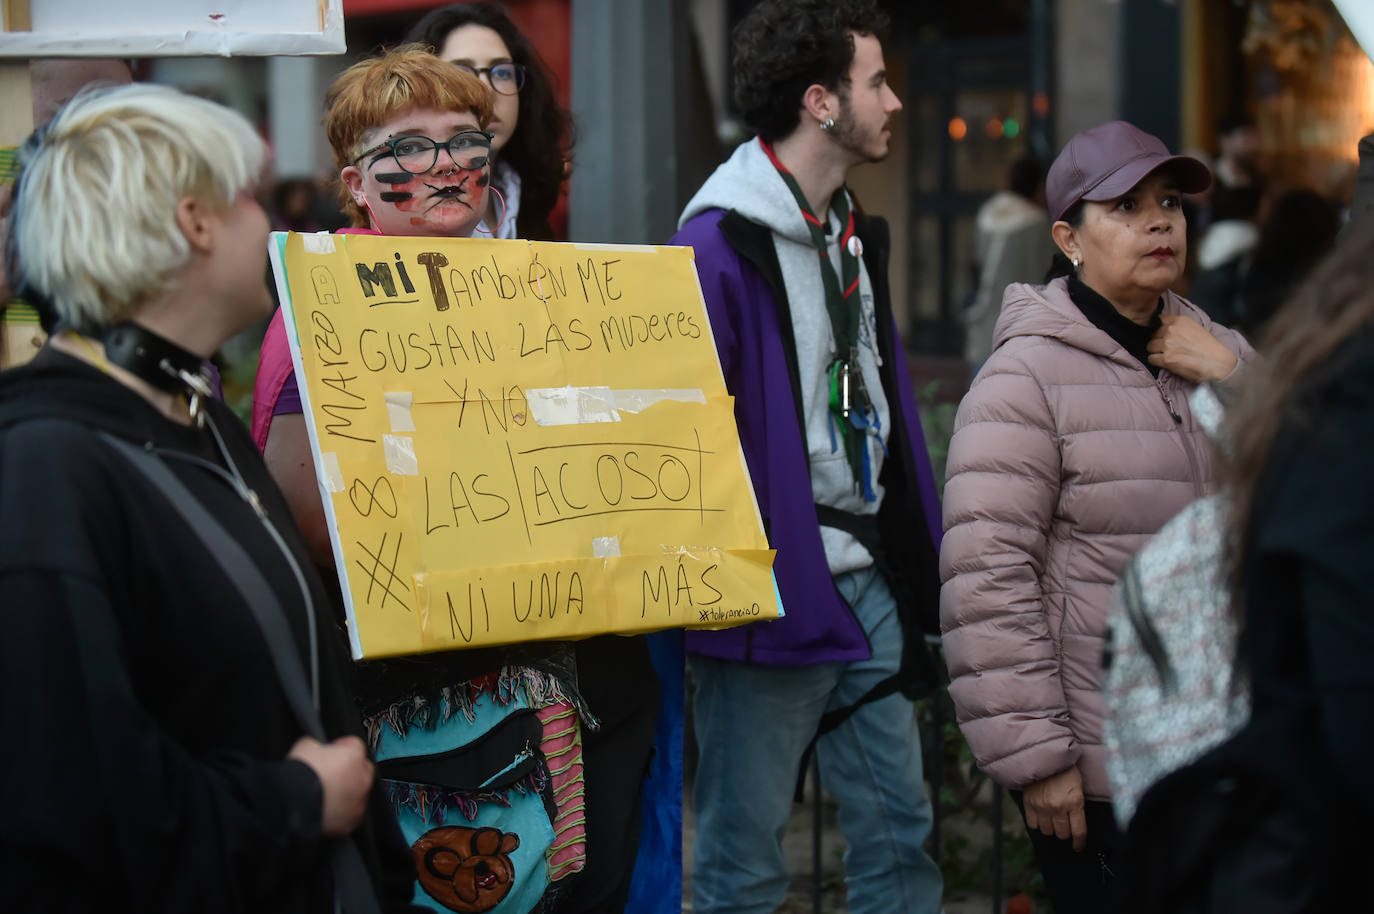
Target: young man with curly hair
{"points": [[795, 280]]}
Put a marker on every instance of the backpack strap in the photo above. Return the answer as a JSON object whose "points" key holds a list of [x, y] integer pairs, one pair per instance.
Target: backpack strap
{"points": [[864, 528], [353, 890], [832, 719], [1143, 626]]}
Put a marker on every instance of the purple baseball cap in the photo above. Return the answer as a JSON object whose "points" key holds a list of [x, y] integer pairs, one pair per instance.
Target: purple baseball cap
{"points": [[1108, 160]]}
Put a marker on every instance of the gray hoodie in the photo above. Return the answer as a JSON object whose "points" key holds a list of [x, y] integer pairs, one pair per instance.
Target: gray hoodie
{"points": [[749, 184]]}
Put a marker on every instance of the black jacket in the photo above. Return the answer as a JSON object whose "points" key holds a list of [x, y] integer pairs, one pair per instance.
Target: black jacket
{"points": [[144, 765], [1309, 611]]}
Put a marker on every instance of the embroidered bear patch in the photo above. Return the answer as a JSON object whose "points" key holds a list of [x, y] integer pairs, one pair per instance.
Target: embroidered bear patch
{"points": [[466, 869]]}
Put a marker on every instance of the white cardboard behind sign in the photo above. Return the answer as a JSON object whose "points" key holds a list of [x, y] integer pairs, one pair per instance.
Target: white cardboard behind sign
{"points": [[1359, 15], [178, 28]]}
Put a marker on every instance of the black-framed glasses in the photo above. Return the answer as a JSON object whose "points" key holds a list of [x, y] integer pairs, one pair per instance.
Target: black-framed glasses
{"points": [[417, 154], [506, 78]]}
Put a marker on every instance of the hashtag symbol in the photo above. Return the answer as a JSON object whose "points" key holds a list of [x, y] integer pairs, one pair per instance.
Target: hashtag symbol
{"points": [[380, 565]]}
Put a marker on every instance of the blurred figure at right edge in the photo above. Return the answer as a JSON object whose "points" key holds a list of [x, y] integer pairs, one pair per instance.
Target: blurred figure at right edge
{"points": [[1275, 819], [1304, 525]]}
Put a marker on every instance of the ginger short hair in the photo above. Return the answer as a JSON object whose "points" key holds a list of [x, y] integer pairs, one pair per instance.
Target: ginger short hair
{"points": [[371, 92], [94, 218]]}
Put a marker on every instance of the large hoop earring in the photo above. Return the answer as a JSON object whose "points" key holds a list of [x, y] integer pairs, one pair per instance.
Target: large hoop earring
{"points": [[495, 231], [371, 215]]}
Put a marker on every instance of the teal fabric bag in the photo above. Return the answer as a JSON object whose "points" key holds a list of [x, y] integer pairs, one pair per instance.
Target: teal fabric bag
{"points": [[472, 794]]}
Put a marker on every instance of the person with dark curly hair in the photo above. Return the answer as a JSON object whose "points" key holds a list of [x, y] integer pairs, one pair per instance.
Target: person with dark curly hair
{"points": [[531, 147], [795, 281]]}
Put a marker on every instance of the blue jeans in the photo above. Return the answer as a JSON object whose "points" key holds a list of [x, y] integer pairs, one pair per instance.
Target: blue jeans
{"points": [[752, 724]]}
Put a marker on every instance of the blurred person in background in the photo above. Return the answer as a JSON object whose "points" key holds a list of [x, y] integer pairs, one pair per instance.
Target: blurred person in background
{"points": [[293, 206], [1238, 184], [1299, 229], [1011, 243], [1074, 444], [188, 740], [1237, 164], [52, 83], [532, 138], [1223, 256]]}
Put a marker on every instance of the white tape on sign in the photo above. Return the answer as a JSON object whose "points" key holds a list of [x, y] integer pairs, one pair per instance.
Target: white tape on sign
{"points": [[398, 405], [331, 475], [577, 405], [636, 401], [318, 243], [399, 451], [572, 405]]}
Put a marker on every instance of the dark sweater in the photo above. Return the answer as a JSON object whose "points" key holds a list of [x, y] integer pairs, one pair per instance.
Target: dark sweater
{"points": [[1131, 336], [145, 762]]}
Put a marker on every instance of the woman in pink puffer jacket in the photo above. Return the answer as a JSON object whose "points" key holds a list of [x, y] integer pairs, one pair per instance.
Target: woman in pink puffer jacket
{"points": [[1073, 446]]}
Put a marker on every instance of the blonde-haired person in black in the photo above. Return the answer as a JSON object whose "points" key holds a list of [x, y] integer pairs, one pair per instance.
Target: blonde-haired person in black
{"points": [[171, 680]]}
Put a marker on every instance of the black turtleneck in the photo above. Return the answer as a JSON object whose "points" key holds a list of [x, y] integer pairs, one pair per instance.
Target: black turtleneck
{"points": [[1133, 337]]}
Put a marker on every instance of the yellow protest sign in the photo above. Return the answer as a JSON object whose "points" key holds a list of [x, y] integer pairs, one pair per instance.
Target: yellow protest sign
{"points": [[520, 441]]}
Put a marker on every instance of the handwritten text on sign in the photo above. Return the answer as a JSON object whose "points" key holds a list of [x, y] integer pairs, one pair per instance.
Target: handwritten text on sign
{"points": [[520, 441]]}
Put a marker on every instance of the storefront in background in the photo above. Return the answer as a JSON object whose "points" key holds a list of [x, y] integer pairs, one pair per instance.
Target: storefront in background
{"points": [[1294, 68]]}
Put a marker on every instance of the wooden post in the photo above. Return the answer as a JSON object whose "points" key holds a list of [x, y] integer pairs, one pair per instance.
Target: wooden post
{"points": [[20, 335]]}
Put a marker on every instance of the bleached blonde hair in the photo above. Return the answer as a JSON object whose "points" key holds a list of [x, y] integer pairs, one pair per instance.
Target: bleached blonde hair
{"points": [[95, 216]]}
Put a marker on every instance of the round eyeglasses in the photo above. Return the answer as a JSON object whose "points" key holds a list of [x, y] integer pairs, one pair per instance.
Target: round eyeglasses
{"points": [[470, 149], [506, 78]]}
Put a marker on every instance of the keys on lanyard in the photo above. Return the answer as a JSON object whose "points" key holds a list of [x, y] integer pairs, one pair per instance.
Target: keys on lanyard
{"points": [[848, 385], [844, 389]]}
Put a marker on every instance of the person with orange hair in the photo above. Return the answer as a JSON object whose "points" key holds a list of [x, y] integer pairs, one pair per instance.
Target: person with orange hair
{"points": [[480, 751], [410, 142]]}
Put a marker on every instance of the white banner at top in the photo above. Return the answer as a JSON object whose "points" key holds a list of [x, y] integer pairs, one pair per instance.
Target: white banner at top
{"points": [[1359, 15], [177, 28]]}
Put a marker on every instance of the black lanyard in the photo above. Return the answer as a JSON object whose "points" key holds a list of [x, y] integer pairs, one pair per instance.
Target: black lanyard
{"points": [[842, 304], [850, 406]]}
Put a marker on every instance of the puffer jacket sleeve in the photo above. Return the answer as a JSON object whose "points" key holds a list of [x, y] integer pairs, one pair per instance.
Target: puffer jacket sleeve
{"points": [[1245, 355], [1003, 485]]}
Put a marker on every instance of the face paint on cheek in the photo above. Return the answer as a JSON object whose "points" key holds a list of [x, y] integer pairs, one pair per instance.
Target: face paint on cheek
{"points": [[402, 192]]}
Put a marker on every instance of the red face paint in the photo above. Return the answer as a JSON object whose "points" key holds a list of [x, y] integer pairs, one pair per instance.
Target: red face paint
{"points": [[444, 201]]}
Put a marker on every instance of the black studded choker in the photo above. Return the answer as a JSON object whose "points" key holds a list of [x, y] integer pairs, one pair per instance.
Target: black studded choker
{"points": [[158, 361]]}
